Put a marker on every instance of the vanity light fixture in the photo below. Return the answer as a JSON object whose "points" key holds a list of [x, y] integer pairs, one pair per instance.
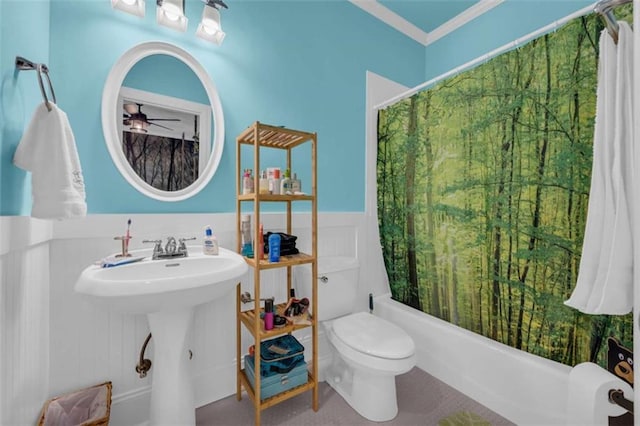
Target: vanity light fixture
{"points": [[170, 13], [210, 28], [134, 7]]}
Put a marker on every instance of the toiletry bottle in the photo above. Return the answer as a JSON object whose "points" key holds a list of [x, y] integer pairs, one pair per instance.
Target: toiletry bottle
{"points": [[247, 182], [274, 182], [245, 232], [264, 183], [261, 244], [296, 184], [210, 243], [268, 314], [291, 310], [285, 183], [274, 248]]}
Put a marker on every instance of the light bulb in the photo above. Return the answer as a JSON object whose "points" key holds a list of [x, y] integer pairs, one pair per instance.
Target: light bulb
{"points": [[171, 11], [210, 26]]}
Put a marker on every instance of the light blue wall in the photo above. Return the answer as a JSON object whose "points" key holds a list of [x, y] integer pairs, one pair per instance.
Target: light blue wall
{"points": [[299, 64], [296, 63], [505, 23], [24, 31]]}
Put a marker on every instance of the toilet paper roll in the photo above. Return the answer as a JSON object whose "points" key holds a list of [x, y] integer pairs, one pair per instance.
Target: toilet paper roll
{"points": [[588, 400]]}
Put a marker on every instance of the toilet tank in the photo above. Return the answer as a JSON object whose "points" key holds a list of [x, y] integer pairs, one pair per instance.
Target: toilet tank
{"points": [[336, 293]]}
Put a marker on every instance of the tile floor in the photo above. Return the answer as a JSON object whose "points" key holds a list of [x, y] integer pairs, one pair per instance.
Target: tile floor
{"points": [[422, 400]]}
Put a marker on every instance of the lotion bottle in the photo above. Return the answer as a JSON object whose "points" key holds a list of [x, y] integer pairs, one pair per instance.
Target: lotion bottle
{"points": [[247, 182], [264, 183], [245, 232], [274, 248], [210, 243], [296, 185], [274, 183], [285, 183]]}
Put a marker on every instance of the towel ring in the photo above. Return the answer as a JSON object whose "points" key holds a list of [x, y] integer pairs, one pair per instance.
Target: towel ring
{"points": [[23, 64]]}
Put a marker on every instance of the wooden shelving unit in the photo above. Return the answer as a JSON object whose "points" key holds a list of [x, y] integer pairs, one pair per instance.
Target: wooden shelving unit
{"points": [[259, 136]]}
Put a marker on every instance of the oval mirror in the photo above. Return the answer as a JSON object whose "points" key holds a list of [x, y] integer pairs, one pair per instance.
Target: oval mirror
{"points": [[162, 121]]}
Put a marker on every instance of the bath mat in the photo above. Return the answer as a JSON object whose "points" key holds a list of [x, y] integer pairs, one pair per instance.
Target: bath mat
{"points": [[463, 418]]}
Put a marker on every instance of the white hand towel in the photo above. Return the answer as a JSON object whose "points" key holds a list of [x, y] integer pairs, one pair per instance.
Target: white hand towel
{"points": [[48, 150], [605, 279]]}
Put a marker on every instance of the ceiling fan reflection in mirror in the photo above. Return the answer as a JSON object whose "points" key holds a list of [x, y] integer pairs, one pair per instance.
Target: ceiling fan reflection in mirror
{"points": [[138, 121]]}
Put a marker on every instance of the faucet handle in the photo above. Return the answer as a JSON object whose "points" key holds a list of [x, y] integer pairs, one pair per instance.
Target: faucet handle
{"points": [[158, 245], [152, 241], [182, 240], [183, 247]]}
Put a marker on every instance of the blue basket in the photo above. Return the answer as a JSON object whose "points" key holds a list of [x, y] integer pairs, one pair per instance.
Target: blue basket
{"points": [[275, 383]]}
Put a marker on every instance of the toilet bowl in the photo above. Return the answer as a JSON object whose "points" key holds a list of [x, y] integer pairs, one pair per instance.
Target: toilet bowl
{"points": [[367, 352]]}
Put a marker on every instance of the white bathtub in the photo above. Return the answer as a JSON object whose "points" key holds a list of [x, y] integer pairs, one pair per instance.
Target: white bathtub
{"points": [[524, 388]]}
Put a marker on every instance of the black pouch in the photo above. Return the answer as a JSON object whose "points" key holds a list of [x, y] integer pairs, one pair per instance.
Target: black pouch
{"points": [[287, 242]]}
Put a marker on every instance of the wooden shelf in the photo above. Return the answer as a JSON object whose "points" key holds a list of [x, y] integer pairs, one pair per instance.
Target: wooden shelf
{"points": [[259, 136], [274, 197], [248, 318], [268, 402], [273, 136], [291, 260]]}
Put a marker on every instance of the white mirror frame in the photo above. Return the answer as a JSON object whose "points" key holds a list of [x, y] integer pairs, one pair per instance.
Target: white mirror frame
{"points": [[110, 118]]}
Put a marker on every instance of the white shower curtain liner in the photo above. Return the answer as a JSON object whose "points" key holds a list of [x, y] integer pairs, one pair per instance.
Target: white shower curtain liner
{"points": [[605, 278]]}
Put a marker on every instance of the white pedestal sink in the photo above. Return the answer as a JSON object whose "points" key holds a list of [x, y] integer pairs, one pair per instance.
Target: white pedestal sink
{"points": [[167, 291]]}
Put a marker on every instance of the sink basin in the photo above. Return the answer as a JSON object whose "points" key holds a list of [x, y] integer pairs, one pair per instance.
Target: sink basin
{"points": [[158, 285], [167, 291]]}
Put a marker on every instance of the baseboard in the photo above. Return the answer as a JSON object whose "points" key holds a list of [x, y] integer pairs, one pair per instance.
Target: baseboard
{"points": [[131, 408], [214, 384]]}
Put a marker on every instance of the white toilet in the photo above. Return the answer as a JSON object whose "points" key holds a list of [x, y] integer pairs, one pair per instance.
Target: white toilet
{"points": [[367, 351]]}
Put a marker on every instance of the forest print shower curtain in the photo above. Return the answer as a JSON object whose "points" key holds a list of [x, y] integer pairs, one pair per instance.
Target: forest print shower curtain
{"points": [[483, 185]]}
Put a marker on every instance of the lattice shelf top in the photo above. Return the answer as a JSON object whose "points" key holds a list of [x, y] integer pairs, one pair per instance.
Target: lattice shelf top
{"points": [[273, 136]]}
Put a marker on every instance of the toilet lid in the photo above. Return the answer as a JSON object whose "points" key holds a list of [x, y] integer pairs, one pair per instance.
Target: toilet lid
{"points": [[374, 336]]}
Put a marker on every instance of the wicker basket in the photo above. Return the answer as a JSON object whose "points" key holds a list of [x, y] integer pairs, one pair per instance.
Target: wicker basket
{"points": [[86, 407]]}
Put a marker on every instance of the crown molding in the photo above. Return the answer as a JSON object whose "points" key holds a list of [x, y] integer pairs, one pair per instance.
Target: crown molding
{"points": [[392, 19], [461, 19], [397, 22]]}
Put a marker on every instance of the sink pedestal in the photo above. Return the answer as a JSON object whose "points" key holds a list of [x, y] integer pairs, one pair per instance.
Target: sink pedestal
{"points": [[172, 401], [167, 291]]}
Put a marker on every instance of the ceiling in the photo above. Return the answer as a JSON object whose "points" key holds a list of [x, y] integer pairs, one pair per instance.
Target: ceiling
{"points": [[426, 20]]}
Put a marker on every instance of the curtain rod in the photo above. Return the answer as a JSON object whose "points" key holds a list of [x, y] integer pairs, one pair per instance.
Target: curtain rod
{"points": [[604, 8], [509, 46]]}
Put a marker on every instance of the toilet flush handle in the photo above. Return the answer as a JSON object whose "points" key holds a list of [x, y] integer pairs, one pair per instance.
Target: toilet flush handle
{"points": [[324, 279]]}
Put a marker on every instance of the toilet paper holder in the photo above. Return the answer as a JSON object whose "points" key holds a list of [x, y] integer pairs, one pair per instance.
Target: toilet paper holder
{"points": [[616, 396]]}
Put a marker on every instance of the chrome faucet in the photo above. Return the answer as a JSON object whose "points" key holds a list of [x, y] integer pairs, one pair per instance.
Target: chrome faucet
{"points": [[171, 246], [157, 248], [171, 249]]}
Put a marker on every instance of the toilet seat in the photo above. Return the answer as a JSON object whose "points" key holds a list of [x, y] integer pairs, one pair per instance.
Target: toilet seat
{"points": [[373, 336]]}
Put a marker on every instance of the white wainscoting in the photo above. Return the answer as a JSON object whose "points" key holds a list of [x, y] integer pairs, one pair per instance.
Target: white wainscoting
{"points": [[24, 318], [89, 344]]}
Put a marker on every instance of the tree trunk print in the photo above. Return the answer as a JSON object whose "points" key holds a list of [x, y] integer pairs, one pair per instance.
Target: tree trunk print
{"points": [[410, 172], [482, 196]]}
